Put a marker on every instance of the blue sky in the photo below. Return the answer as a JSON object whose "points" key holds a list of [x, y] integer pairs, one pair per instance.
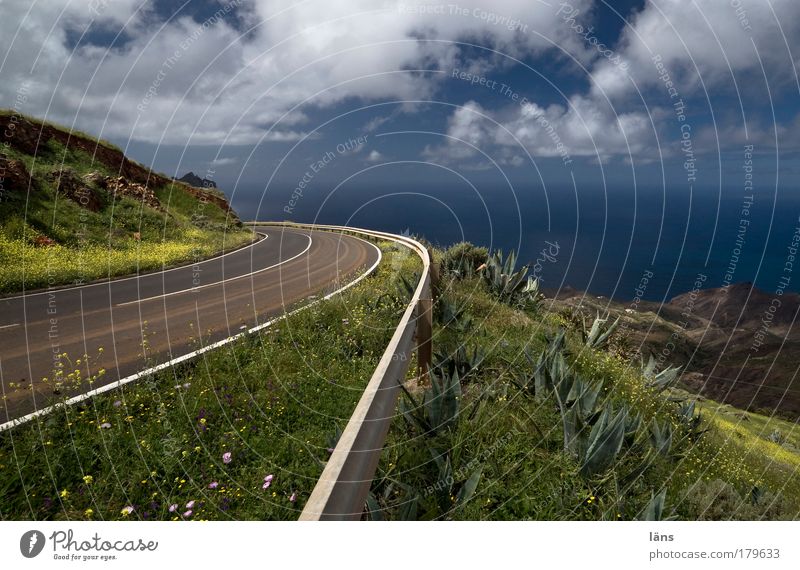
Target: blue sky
{"points": [[531, 94]]}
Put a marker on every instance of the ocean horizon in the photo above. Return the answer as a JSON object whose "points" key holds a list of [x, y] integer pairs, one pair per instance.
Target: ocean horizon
{"points": [[605, 243]]}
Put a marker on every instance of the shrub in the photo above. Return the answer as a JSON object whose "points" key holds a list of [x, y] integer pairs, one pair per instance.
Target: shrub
{"points": [[717, 500], [463, 259]]}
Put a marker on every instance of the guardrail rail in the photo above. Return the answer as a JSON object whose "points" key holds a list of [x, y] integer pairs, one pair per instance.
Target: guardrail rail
{"points": [[342, 489]]}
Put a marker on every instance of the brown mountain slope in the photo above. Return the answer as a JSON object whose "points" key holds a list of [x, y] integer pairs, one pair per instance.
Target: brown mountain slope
{"points": [[738, 345]]}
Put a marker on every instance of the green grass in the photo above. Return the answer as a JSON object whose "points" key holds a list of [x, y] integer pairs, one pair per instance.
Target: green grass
{"points": [[516, 441], [272, 400], [74, 132], [275, 401], [92, 245]]}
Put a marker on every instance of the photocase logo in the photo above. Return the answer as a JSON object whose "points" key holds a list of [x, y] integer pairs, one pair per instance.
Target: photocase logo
{"points": [[31, 543]]}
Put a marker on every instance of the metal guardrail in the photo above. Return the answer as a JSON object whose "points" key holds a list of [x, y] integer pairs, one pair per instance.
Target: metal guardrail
{"points": [[341, 491]]}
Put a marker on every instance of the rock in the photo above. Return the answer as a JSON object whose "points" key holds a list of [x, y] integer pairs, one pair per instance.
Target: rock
{"points": [[74, 188], [96, 179], [14, 178], [193, 179], [43, 241], [121, 187]]}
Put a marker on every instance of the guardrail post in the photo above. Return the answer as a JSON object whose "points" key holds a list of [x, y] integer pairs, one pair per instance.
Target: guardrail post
{"points": [[424, 332], [434, 272]]}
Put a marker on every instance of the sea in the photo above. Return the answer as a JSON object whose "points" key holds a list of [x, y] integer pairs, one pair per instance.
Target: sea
{"points": [[621, 244]]}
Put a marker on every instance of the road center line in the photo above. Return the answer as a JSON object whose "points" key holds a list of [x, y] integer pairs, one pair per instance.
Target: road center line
{"points": [[191, 289], [8, 326]]}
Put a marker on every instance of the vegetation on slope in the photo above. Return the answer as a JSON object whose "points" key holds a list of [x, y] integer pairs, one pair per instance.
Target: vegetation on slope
{"points": [[74, 209], [530, 415], [240, 433]]}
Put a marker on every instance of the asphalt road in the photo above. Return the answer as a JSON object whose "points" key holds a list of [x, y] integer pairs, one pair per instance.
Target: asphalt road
{"points": [[166, 310]]}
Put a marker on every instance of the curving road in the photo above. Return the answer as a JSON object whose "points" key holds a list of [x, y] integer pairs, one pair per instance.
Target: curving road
{"points": [[215, 298]]}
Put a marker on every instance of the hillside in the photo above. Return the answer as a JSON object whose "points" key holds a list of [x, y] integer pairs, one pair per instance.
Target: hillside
{"points": [[536, 410], [720, 337], [74, 208], [528, 413]]}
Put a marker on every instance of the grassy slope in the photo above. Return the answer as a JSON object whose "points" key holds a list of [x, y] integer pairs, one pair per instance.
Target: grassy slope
{"points": [[273, 401], [516, 441], [92, 245]]}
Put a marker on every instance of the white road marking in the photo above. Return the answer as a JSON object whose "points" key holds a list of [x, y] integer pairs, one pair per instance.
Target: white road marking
{"points": [[191, 289], [137, 276], [114, 385], [8, 326]]}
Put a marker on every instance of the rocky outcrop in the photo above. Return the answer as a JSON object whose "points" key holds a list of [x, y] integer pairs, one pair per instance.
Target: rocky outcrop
{"points": [[31, 137], [70, 185], [120, 187], [193, 179], [14, 178], [211, 198], [133, 180]]}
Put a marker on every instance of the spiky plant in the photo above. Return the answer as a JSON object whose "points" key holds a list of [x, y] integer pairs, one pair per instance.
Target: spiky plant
{"points": [[654, 511], [440, 405], [659, 381], [506, 284], [461, 360], [599, 335], [605, 441], [661, 437], [452, 316]]}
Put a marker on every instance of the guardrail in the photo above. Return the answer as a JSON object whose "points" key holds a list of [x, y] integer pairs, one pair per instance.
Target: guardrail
{"points": [[341, 491]]}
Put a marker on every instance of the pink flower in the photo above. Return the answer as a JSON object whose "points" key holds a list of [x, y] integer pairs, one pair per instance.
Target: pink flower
{"points": [[269, 478], [266, 485], [117, 404], [226, 457], [173, 508], [213, 485], [105, 425], [187, 514], [293, 498], [190, 505]]}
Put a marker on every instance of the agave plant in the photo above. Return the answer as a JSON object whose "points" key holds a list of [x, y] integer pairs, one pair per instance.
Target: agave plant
{"points": [[453, 316], [506, 284], [578, 413], [659, 381], [598, 336], [686, 415], [604, 442], [661, 437], [440, 406], [461, 360], [632, 426], [443, 401], [654, 511]]}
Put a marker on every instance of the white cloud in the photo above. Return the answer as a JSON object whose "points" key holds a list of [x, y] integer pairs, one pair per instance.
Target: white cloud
{"points": [[184, 83], [227, 161], [583, 128], [220, 83], [705, 44], [374, 156], [701, 45]]}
